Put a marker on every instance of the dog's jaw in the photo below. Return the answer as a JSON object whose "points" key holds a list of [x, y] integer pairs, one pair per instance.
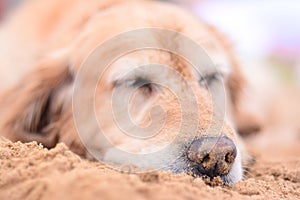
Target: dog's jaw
{"points": [[180, 164]]}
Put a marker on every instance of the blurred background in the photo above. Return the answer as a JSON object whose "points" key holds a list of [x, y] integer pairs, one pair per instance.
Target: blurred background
{"points": [[265, 32], [266, 37]]}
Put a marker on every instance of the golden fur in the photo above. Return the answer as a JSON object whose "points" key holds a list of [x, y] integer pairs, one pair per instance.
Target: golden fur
{"points": [[48, 41]]}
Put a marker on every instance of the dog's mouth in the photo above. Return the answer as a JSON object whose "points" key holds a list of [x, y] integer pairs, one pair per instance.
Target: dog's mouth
{"points": [[215, 159], [209, 179], [230, 178]]}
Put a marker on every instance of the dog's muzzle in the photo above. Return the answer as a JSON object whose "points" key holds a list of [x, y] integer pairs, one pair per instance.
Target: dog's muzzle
{"points": [[212, 156]]}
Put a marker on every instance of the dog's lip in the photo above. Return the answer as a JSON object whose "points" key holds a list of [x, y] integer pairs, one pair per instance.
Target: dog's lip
{"points": [[195, 171]]}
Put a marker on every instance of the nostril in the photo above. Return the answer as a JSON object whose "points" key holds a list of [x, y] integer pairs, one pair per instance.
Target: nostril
{"points": [[205, 159], [229, 158]]}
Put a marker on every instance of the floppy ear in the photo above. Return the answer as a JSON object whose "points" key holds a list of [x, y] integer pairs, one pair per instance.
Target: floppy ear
{"points": [[31, 109], [247, 121]]}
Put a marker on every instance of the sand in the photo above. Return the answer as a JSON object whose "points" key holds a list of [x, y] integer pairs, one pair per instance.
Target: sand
{"points": [[29, 171]]}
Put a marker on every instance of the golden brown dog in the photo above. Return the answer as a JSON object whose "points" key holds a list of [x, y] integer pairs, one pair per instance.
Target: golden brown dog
{"points": [[44, 43]]}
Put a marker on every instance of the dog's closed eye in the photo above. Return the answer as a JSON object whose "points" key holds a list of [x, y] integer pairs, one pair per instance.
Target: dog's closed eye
{"points": [[208, 79], [142, 84]]}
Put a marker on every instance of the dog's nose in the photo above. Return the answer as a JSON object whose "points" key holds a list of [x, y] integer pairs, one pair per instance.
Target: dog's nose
{"points": [[214, 156]]}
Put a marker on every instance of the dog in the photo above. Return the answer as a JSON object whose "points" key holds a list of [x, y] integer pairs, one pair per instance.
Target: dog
{"points": [[44, 46]]}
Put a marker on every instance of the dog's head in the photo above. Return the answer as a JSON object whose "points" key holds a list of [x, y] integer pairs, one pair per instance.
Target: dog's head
{"points": [[198, 149], [40, 107]]}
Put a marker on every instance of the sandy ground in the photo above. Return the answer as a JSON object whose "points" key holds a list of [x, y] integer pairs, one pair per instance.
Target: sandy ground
{"points": [[29, 171]]}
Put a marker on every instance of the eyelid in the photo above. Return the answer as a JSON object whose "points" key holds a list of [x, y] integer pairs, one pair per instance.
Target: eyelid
{"points": [[134, 82], [140, 82], [208, 78]]}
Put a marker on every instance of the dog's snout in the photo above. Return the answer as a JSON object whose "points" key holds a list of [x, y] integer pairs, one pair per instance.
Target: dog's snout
{"points": [[214, 156]]}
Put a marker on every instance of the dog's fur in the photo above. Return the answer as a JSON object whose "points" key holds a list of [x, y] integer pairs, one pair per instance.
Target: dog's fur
{"points": [[44, 43]]}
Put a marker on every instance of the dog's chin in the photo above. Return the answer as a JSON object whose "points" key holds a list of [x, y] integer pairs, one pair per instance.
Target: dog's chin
{"points": [[179, 165]]}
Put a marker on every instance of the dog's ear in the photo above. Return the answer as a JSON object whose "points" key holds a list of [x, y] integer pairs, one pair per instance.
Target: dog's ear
{"points": [[245, 115], [31, 109]]}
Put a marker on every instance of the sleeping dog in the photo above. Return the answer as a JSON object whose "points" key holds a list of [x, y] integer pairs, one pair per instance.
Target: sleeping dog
{"points": [[45, 43]]}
